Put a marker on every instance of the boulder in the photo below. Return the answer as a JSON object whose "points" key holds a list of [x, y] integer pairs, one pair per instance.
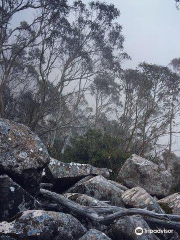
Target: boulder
{"points": [[64, 175], [171, 204], [22, 155], [7, 231], [101, 189], [138, 171], [174, 167], [138, 198], [85, 200], [126, 228], [94, 234], [39, 224], [14, 199]]}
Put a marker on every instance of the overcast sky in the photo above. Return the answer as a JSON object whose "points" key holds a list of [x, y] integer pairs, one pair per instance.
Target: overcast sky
{"points": [[151, 29]]}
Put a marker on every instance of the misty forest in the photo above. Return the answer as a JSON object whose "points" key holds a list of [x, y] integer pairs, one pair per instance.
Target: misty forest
{"points": [[62, 77]]}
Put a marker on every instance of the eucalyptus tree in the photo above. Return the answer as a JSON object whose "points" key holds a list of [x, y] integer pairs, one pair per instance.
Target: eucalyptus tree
{"points": [[17, 37], [74, 49], [150, 96], [154, 116], [134, 88], [105, 91]]}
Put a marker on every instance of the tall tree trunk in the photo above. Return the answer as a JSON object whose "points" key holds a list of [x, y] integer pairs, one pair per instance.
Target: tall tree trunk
{"points": [[170, 132], [133, 130], [96, 112]]}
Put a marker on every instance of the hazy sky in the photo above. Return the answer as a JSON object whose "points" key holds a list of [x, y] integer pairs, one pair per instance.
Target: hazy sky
{"points": [[151, 29]]}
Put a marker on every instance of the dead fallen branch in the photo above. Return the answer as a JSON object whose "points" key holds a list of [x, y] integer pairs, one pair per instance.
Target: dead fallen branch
{"points": [[93, 213]]}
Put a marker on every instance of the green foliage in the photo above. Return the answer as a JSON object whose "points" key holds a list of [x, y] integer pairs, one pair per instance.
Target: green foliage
{"points": [[96, 148]]}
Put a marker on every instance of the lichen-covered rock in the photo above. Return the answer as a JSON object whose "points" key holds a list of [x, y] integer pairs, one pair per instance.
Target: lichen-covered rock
{"points": [[22, 155], [7, 231], [64, 175], [39, 224], [85, 200], [138, 198], [171, 204], [14, 199], [125, 227], [94, 234], [138, 171], [99, 188]]}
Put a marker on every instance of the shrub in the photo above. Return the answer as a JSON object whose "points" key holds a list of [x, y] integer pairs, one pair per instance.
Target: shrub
{"points": [[96, 148]]}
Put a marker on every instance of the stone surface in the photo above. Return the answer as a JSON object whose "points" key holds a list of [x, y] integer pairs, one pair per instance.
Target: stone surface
{"points": [[85, 200], [124, 229], [174, 167], [138, 171], [171, 204], [14, 199], [39, 224], [99, 188], [7, 231], [72, 189], [94, 234], [138, 198], [22, 155], [122, 187], [64, 175]]}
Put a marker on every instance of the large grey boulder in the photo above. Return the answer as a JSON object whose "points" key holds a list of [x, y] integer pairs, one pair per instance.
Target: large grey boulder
{"points": [[94, 234], [39, 224], [14, 199], [22, 155], [101, 189], [64, 175], [138, 198], [126, 229], [138, 171], [171, 204]]}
